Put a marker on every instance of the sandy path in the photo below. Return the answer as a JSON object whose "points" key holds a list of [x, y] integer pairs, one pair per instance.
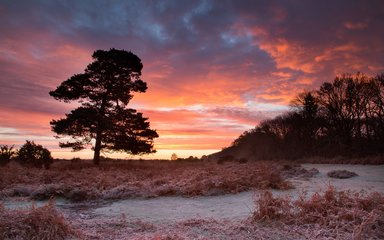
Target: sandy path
{"points": [[174, 209]]}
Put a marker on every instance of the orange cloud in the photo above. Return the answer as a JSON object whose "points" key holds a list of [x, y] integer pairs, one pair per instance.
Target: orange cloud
{"points": [[282, 74], [210, 88], [288, 55], [345, 51]]}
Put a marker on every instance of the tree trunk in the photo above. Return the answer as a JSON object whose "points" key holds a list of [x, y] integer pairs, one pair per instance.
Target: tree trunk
{"points": [[96, 156]]}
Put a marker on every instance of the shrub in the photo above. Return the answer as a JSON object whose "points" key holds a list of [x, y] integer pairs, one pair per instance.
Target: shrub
{"points": [[6, 154], [34, 155]]}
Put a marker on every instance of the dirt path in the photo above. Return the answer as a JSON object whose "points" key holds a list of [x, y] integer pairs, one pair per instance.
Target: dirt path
{"points": [[174, 209]]}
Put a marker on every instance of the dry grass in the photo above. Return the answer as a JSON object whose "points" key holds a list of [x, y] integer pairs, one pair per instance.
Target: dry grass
{"points": [[126, 179], [43, 223], [361, 216]]}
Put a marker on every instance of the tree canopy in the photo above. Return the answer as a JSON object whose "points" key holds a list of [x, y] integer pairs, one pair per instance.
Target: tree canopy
{"points": [[103, 119], [35, 155], [342, 118], [6, 154]]}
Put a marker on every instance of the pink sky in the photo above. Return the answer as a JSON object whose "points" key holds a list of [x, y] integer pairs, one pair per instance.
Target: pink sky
{"points": [[214, 68]]}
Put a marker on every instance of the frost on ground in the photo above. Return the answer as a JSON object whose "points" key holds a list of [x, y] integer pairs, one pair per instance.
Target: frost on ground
{"points": [[232, 216], [370, 178]]}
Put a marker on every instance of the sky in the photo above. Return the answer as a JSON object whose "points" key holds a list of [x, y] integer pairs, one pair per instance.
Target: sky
{"points": [[214, 69]]}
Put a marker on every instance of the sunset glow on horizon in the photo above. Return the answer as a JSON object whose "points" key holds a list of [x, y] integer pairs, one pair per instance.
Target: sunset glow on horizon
{"points": [[214, 69]]}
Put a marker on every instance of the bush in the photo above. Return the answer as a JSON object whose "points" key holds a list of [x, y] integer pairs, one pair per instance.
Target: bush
{"points": [[6, 154], [34, 155]]}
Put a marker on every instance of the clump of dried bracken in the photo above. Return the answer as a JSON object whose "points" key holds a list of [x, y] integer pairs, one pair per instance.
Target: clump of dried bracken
{"points": [[362, 216], [35, 223]]}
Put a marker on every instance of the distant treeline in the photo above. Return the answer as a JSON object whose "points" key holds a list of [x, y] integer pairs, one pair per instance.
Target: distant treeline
{"points": [[341, 118]]}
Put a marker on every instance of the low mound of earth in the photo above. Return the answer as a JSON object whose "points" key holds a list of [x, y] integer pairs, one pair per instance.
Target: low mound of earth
{"points": [[342, 174], [297, 171], [210, 217]]}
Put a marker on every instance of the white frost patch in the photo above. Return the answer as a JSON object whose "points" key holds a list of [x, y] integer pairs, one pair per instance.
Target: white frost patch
{"points": [[370, 178], [173, 209], [23, 203]]}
